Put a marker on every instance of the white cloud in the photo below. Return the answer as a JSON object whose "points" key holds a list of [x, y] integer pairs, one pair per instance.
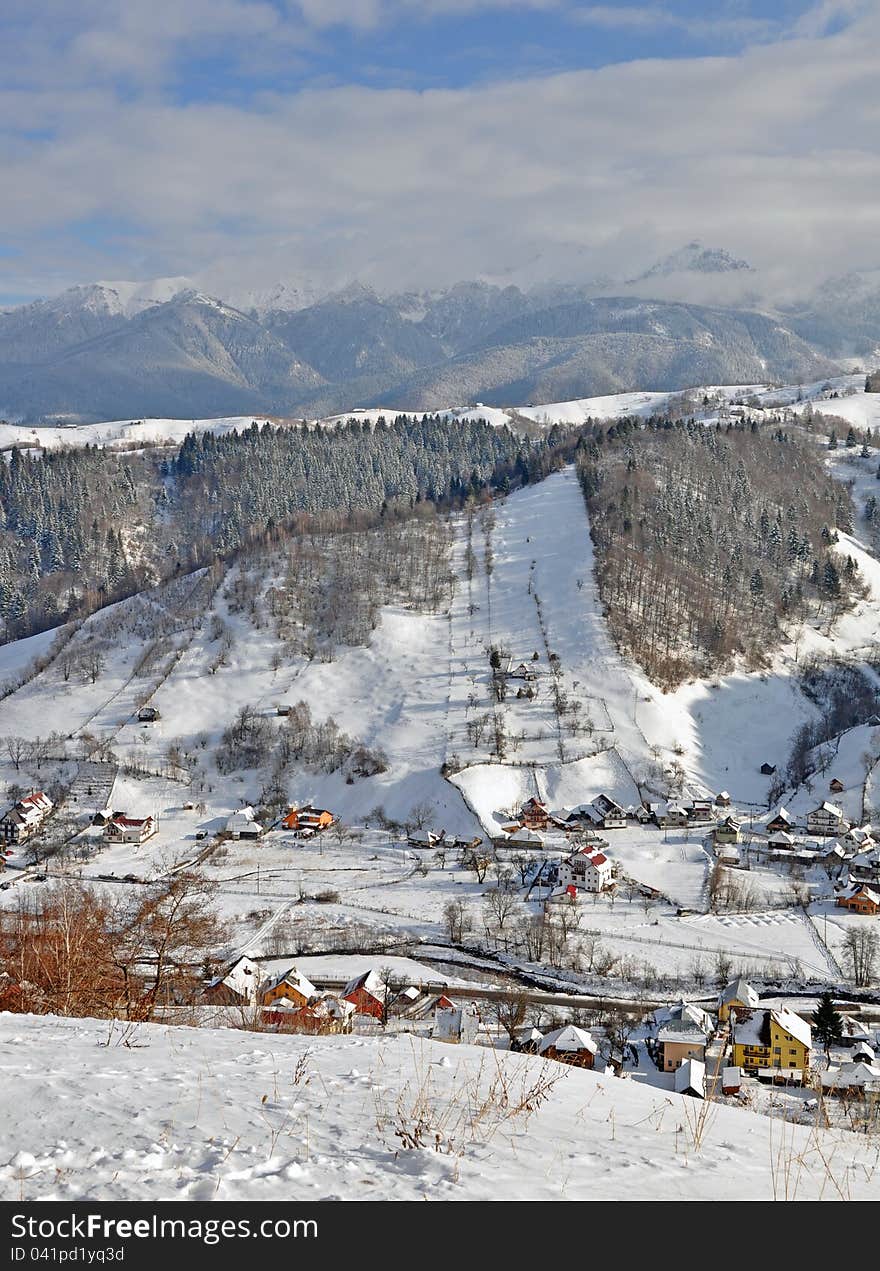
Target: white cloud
{"points": [[772, 154]]}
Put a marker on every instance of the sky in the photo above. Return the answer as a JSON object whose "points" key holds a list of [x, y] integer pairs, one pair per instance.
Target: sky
{"points": [[414, 143]]}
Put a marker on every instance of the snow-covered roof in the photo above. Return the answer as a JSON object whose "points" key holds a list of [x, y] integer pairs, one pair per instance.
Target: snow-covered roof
{"points": [[690, 1075], [297, 981], [751, 1032], [370, 982], [739, 991], [830, 809], [568, 1038]]}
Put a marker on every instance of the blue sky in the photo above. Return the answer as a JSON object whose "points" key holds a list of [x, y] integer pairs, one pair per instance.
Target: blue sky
{"points": [[416, 142]]}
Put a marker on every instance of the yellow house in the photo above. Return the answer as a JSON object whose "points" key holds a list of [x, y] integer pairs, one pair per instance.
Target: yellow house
{"points": [[291, 987], [772, 1039], [738, 996]]}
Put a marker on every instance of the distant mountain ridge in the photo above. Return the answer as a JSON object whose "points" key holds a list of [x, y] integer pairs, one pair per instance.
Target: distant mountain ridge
{"points": [[116, 350]]}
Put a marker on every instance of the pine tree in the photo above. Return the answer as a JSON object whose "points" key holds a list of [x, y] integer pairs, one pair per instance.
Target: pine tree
{"points": [[827, 1023]]}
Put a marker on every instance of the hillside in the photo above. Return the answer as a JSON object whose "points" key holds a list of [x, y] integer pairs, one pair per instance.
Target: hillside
{"points": [[373, 1118]]}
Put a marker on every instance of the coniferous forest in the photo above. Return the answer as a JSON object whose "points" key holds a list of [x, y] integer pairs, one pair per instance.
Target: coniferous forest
{"points": [[708, 540], [81, 528]]}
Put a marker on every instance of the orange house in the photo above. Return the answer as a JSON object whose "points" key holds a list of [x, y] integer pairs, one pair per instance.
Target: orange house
{"points": [[861, 900], [292, 987], [308, 818]]}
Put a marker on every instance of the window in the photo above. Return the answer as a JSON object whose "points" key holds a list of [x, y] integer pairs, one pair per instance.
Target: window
{"points": [[777, 1050]]}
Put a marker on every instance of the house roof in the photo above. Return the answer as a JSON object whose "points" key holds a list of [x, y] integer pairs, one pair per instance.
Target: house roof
{"points": [[568, 1038], [370, 982], [297, 981], [130, 822], [781, 814], [739, 991], [690, 1075], [831, 809], [756, 1030]]}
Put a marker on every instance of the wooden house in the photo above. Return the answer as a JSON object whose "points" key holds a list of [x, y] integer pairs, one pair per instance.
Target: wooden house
{"points": [[308, 820], [238, 985], [534, 815], [861, 899], [244, 825], [569, 1045], [291, 987], [325, 1015], [835, 785], [367, 994], [781, 821], [148, 714], [722, 800], [768, 769]]}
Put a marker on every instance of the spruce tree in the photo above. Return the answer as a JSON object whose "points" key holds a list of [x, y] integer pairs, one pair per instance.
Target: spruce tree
{"points": [[827, 1023]]}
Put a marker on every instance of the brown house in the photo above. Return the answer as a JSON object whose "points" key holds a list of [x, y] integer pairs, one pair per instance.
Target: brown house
{"points": [[861, 900], [569, 1045]]}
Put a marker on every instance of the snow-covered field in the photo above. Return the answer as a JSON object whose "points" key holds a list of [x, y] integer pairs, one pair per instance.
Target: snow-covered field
{"points": [[96, 1110]]}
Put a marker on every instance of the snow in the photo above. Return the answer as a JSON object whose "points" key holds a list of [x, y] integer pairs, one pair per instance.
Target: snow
{"points": [[151, 1112], [121, 432]]}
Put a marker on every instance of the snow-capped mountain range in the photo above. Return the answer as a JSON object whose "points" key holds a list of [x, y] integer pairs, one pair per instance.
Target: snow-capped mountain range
{"points": [[173, 347]]}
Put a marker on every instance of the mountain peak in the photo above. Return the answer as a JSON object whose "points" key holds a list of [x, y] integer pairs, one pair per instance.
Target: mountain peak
{"points": [[694, 258]]}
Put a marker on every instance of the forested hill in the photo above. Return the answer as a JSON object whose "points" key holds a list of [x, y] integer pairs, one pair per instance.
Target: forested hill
{"points": [[709, 540], [81, 528]]}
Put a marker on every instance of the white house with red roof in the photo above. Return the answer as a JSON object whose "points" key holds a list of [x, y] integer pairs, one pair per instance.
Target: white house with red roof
{"points": [[20, 821], [130, 829], [588, 869]]}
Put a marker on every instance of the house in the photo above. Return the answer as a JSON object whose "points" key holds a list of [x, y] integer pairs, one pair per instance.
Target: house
{"points": [[522, 672], [534, 815], [646, 812], [291, 987], [780, 822], [731, 1080], [768, 769], [527, 1041], [587, 869], [670, 814], [860, 838], [244, 825], [455, 1024], [855, 1032], [700, 809], [367, 994], [683, 1033], [865, 867], [324, 1015], [607, 814], [737, 996], [521, 836], [852, 1079], [130, 829], [781, 841], [238, 985], [308, 820], [863, 1053], [690, 1078], [722, 800], [836, 786], [772, 1039], [826, 820], [729, 830], [20, 821], [148, 714], [569, 1045], [283, 708], [862, 899]]}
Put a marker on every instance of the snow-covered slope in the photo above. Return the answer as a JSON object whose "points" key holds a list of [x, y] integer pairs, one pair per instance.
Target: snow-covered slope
{"points": [[90, 1109]]}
